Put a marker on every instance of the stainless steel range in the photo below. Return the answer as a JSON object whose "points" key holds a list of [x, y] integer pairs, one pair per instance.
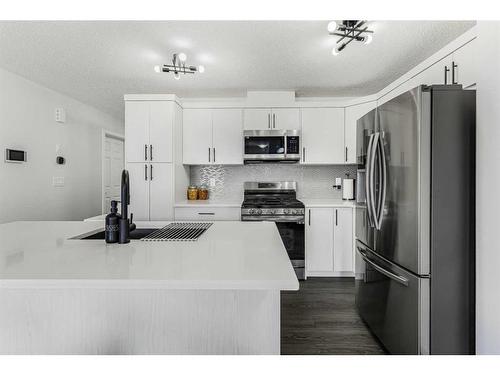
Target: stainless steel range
{"points": [[277, 202]]}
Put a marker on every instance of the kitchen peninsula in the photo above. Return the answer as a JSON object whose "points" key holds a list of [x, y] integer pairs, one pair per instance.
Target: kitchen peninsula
{"points": [[217, 295]]}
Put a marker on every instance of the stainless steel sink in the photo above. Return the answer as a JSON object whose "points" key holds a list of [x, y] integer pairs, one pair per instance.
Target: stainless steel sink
{"points": [[98, 234]]}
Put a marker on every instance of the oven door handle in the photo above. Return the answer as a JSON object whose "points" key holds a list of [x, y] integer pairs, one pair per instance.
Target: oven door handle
{"points": [[276, 219]]}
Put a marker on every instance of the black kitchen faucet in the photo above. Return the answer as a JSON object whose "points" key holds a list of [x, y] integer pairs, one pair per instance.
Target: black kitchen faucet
{"points": [[126, 225]]}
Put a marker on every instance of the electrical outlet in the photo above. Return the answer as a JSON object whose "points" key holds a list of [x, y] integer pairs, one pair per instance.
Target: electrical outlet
{"points": [[58, 181], [212, 182]]}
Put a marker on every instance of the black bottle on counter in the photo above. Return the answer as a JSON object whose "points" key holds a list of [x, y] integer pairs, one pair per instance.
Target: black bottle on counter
{"points": [[112, 226]]}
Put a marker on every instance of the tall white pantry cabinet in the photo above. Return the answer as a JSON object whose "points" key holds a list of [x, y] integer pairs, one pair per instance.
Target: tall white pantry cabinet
{"points": [[153, 155]]}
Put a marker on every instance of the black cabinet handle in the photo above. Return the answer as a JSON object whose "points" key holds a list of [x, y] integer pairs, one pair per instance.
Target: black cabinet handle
{"points": [[336, 218], [274, 121], [303, 154], [309, 217], [145, 152], [151, 172], [145, 172], [209, 154], [214, 154], [453, 66], [346, 154], [446, 70], [151, 152], [206, 213]]}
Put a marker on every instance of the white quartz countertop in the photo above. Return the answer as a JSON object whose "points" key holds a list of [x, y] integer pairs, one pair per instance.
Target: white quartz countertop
{"points": [[318, 202], [229, 255], [207, 203]]}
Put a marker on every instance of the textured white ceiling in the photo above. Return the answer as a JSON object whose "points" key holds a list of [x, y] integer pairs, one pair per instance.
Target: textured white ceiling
{"points": [[99, 61]]}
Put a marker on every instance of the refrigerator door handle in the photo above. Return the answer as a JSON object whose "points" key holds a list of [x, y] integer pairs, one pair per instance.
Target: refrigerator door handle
{"points": [[397, 278], [382, 175], [367, 180], [370, 196]]}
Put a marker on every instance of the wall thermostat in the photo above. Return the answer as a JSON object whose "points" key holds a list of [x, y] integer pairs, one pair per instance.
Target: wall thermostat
{"points": [[60, 160], [15, 156]]}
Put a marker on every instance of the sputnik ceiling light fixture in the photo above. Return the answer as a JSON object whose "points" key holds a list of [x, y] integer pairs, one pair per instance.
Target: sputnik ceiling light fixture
{"points": [[179, 66], [349, 31]]}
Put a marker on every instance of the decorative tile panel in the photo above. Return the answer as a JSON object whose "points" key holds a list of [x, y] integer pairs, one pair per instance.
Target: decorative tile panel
{"points": [[312, 181]]}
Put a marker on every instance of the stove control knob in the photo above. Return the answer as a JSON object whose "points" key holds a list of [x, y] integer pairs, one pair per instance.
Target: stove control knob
{"points": [[287, 211], [258, 211], [251, 211]]}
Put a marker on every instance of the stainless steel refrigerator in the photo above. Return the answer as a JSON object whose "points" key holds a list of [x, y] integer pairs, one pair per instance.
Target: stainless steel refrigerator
{"points": [[415, 221]]}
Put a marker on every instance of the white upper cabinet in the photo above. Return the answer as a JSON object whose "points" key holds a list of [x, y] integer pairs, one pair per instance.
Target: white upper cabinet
{"points": [[212, 136], [343, 254], [271, 119], [257, 119], [148, 131], [227, 135], [437, 74], [465, 65], [323, 136], [352, 115], [285, 119], [136, 131], [197, 136], [161, 116]]}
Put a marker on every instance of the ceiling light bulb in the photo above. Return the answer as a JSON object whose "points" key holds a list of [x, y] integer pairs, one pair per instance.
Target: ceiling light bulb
{"points": [[335, 51], [368, 39], [157, 68], [332, 26], [201, 69], [182, 57], [177, 76]]}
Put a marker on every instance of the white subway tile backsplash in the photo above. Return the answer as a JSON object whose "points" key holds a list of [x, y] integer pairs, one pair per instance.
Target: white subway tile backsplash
{"points": [[312, 181]]}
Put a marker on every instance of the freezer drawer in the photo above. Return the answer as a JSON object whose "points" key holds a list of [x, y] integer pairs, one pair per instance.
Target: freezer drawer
{"points": [[394, 304]]}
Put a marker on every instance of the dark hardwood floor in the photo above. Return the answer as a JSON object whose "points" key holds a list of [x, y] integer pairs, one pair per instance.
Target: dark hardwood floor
{"points": [[321, 318]]}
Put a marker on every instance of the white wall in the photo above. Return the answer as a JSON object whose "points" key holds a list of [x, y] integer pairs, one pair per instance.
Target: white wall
{"points": [[488, 188], [27, 122]]}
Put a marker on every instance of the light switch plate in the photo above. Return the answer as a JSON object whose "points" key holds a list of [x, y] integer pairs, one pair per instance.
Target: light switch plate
{"points": [[60, 115], [58, 181]]}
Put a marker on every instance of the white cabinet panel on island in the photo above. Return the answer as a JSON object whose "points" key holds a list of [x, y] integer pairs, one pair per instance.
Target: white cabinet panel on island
{"points": [[323, 136]]}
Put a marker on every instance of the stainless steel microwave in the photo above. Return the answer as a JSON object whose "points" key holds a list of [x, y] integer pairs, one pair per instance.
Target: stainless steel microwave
{"points": [[272, 146]]}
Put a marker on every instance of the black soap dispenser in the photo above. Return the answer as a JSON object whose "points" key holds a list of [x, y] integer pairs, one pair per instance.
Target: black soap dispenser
{"points": [[112, 226]]}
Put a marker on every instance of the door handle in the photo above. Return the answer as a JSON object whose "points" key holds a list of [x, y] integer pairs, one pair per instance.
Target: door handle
{"points": [[151, 172], [274, 121], [151, 152], [397, 278], [145, 152], [446, 70], [368, 191], [453, 66], [383, 185], [209, 154], [145, 172]]}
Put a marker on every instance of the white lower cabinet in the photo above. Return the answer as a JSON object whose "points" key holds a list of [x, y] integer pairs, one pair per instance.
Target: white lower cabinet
{"points": [[329, 242], [151, 191], [208, 213]]}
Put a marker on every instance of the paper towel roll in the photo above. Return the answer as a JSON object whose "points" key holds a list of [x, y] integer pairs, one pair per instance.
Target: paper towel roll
{"points": [[348, 189]]}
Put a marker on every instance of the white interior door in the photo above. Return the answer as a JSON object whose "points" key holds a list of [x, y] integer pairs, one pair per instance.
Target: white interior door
{"points": [[137, 131], [197, 136], [227, 136], [319, 239], [257, 119], [113, 155], [343, 256], [323, 136], [161, 116], [286, 118], [139, 190], [161, 195]]}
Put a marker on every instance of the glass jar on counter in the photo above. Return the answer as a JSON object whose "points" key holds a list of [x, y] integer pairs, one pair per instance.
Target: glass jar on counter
{"points": [[192, 193], [203, 192]]}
